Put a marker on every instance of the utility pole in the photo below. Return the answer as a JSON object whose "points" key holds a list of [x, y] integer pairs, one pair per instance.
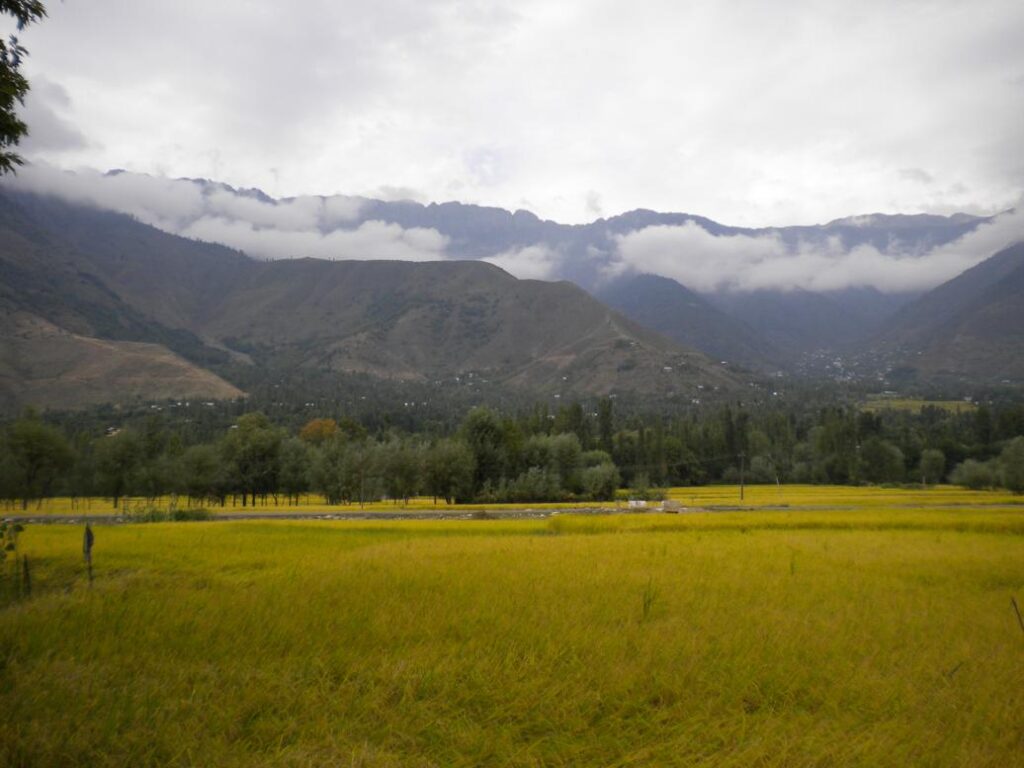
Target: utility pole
{"points": [[743, 457]]}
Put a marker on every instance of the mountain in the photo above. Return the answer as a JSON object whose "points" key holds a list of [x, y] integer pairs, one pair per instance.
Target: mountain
{"points": [[73, 277], [44, 365], [800, 322], [795, 322], [675, 311], [969, 328]]}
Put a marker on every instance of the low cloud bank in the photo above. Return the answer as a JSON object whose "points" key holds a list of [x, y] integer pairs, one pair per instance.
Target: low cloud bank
{"points": [[535, 262], [309, 226], [335, 228], [709, 263]]}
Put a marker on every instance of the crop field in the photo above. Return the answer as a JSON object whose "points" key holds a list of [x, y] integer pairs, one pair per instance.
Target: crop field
{"points": [[875, 405], [839, 496], [708, 496], [881, 636]]}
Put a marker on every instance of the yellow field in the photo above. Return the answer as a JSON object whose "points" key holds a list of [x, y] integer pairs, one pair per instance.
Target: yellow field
{"points": [[709, 496], [877, 637], [916, 406], [833, 496], [308, 504]]}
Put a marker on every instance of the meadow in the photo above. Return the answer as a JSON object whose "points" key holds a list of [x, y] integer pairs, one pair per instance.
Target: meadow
{"points": [[881, 636], [911, 405], [706, 496]]}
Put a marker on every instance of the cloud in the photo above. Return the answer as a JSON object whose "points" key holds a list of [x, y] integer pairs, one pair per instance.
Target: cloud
{"points": [[371, 240], [337, 228], [535, 262], [316, 227], [45, 113], [916, 174], [495, 102], [709, 263]]}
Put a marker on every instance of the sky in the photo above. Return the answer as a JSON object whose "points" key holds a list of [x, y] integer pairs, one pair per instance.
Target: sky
{"points": [[750, 113]]}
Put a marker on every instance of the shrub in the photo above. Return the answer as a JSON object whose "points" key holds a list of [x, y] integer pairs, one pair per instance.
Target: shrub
{"points": [[1012, 459], [974, 475]]}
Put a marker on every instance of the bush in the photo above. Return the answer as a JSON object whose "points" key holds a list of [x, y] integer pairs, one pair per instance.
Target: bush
{"points": [[1012, 459], [153, 514], [974, 475], [932, 466], [600, 482]]}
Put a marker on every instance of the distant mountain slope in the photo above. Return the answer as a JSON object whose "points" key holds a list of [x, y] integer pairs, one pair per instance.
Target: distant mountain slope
{"points": [[173, 282], [798, 322], [431, 320], [969, 327], [675, 311], [46, 366], [104, 276]]}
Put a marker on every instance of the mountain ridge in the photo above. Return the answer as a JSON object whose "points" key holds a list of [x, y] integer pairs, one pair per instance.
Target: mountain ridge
{"points": [[392, 319]]}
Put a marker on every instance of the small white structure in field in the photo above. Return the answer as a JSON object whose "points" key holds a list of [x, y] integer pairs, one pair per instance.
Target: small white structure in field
{"points": [[637, 504]]}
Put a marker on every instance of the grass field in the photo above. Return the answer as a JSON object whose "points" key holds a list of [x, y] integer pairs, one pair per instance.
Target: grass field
{"points": [[875, 405], [710, 496], [881, 636]]}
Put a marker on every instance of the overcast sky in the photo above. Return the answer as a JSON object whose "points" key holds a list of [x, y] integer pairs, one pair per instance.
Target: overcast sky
{"points": [[752, 113]]}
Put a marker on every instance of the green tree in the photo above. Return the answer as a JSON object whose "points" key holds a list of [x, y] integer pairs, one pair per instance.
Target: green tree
{"points": [[400, 465], [13, 85], [326, 474], [932, 467], [483, 434], [881, 461], [296, 459], [201, 474], [973, 474], [600, 482], [605, 425], [1012, 459], [567, 460], [118, 458], [39, 454], [448, 470], [359, 473], [252, 454]]}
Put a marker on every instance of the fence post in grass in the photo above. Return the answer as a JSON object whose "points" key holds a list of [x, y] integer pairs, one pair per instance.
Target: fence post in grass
{"points": [[743, 462], [87, 540], [1016, 609]]}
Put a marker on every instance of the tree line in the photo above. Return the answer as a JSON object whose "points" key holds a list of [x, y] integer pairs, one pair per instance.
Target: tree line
{"points": [[535, 455]]}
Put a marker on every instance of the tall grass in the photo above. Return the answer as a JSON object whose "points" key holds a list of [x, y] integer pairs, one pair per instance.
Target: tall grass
{"points": [[521, 643]]}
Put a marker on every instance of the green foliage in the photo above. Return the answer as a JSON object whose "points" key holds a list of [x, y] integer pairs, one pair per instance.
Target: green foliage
{"points": [[13, 85], [600, 482], [252, 454], [932, 467], [973, 474], [1012, 460], [401, 465], [118, 458], [483, 433], [220, 456], [294, 475], [37, 454], [151, 513], [881, 461], [448, 470], [202, 474]]}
